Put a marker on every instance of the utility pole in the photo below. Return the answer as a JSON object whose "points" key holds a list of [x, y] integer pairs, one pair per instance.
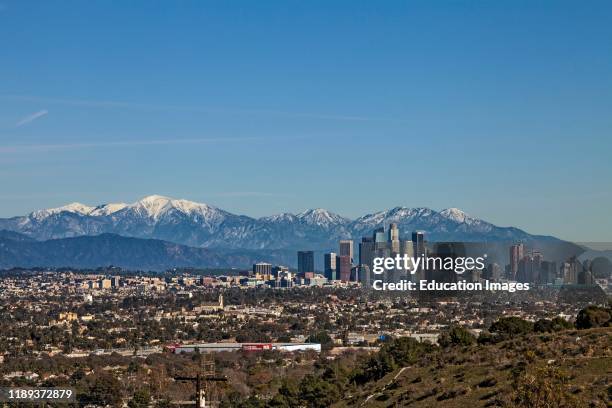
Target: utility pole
{"points": [[203, 382]]}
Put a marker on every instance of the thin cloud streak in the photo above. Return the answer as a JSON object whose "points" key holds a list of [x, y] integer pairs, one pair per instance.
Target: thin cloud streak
{"points": [[200, 109], [32, 117], [70, 146]]}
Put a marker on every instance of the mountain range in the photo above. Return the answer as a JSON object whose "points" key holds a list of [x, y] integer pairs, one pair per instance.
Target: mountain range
{"points": [[159, 232], [102, 250], [202, 225]]}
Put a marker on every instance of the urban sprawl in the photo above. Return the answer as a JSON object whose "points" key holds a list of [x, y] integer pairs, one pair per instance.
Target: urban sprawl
{"points": [[66, 326]]}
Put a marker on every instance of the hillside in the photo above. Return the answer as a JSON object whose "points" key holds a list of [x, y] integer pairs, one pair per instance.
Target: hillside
{"points": [[17, 250], [571, 368]]}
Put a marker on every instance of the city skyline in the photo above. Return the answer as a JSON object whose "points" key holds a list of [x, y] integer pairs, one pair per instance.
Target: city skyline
{"points": [[271, 108]]}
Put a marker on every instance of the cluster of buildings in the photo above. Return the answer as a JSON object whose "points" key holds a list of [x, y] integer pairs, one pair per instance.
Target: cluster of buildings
{"points": [[101, 283], [340, 268], [530, 266], [344, 268]]}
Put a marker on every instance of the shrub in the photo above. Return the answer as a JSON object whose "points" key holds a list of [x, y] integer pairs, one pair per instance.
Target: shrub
{"points": [[511, 326], [456, 336], [543, 387], [593, 316], [554, 325]]}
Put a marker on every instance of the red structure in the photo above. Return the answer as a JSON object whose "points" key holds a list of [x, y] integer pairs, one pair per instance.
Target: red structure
{"points": [[257, 346]]}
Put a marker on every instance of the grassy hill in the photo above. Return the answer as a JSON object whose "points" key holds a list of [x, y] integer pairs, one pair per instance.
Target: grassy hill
{"points": [[571, 368]]}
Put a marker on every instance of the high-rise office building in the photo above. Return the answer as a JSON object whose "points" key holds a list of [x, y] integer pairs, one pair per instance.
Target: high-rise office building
{"points": [[379, 235], [329, 261], [418, 241], [393, 232], [406, 248], [585, 277], [346, 248], [365, 276], [419, 250], [570, 271], [389, 244], [493, 272], [343, 265], [366, 251], [548, 272], [525, 269], [355, 274], [262, 268], [536, 266], [516, 254], [305, 261], [105, 283], [394, 238]]}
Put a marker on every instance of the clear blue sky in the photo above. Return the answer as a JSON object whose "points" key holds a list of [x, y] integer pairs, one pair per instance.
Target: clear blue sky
{"points": [[500, 108]]}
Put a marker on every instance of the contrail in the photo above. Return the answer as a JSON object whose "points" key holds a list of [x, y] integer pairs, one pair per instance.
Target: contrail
{"points": [[32, 117], [128, 143], [201, 109]]}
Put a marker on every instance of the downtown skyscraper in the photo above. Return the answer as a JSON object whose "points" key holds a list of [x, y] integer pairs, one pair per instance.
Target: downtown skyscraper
{"points": [[305, 261]]}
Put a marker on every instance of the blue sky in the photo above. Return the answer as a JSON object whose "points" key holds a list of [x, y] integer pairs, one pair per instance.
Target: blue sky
{"points": [[502, 109]]}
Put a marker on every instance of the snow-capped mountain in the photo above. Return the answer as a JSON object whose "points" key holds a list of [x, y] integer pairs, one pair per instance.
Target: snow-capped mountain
{"points": [[202, 225], [322, 218], [76, 208], [107, 209]]}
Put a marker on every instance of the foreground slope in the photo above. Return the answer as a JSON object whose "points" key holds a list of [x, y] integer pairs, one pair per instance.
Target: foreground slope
{"points": [[566, 369]]}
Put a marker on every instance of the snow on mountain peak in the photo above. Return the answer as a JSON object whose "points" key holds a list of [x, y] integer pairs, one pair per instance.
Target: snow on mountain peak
{"points": [[396, 214], [76, 208], [455, 214], [153, 205], [320, 216], [187, 206], [154, 198], [107, 209], [156, 206], [282, 217], [80, 209], [155, 209]]}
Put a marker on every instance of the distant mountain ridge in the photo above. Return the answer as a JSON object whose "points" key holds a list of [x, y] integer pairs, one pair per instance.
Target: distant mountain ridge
{"points": [[17, 250], [202, 225]]}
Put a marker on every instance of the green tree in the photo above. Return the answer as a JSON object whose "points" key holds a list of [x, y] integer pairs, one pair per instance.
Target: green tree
{"points": [[321, 337], [456, 336], [593, 316], [511, 326], [287, 397], [103, 389], [318, 393], [549, 326], [560, 323], [140, 399]]}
